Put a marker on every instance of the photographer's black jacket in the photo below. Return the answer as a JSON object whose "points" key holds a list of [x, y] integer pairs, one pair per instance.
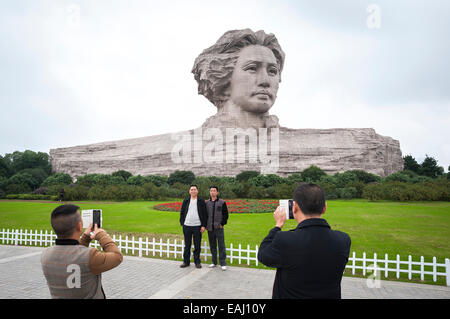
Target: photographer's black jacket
{"points": [[310, 260], [201, 208]]}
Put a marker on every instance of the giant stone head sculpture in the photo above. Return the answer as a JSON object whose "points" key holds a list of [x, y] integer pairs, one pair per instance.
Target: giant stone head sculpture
{"points": [[240, 75]]}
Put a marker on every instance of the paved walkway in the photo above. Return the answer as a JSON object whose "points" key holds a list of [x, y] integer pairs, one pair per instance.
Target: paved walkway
{"points": [[21, 277]]}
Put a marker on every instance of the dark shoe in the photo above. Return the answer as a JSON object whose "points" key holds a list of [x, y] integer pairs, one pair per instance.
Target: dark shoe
{"points": [[198, 266], [183, 265]]}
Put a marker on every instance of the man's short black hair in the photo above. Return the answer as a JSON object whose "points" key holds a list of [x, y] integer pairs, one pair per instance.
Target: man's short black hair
{"points": [[217, 188], [64, 220], [194, 186], [310, 198]]}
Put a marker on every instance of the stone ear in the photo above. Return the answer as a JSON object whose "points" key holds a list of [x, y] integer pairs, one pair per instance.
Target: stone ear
{"points": [[226, 91]]}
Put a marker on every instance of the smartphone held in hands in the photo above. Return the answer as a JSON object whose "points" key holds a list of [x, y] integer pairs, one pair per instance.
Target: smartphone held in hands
{"points": [[287, 205]]}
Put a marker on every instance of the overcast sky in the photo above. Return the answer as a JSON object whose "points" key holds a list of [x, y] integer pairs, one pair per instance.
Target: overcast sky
{"points": [[81, 72]]}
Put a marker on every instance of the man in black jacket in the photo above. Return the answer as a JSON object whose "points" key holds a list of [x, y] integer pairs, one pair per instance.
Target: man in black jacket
{"points": [[193, 220], [310, 259]]}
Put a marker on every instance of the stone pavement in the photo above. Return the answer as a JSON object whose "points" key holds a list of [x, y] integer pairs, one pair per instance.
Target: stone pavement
{"points": [[21, 277]]}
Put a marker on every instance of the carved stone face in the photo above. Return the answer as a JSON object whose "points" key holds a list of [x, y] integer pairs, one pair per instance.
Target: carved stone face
{"points": [[255, 79]]}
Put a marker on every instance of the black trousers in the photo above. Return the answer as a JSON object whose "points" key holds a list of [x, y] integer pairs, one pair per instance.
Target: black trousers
{"points": [[215, 237], [189, 232]]}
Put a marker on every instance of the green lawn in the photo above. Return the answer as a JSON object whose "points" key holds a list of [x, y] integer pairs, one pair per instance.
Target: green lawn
{"points": [[413, 228]]}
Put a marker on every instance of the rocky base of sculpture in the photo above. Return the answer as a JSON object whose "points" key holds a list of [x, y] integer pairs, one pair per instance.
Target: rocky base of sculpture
{"points": [[333, 150]]}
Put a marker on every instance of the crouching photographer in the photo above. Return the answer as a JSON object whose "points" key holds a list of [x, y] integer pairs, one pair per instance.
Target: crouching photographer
{"points": [[310, 259], [71, 268]]}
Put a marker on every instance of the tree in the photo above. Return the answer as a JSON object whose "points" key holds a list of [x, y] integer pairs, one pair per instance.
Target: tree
{"points": [[18, 161], [38, 173], [398, 177], [57, 179], [430, 168], [104, 180], [26, 181], [366, 177], [256, 192], [294, 178], [158, 180], [137, 180], [239, 190], [328, 185], [246, 175], [75, 192], [348, 192], [151, 192], [4, 168], [17, 189], [312, 174], [124, 174], [346, 179], [3, 182], [284, 190], [265, 180], [183, 177], [410, 163]]}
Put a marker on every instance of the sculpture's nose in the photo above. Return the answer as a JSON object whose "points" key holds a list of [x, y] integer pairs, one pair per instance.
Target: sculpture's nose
{"points": [[263, 78]]}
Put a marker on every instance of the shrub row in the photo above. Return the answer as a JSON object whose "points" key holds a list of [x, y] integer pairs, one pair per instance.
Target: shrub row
{"points": [[122, 186], [437, 190], [32, 197], [147, 191]]}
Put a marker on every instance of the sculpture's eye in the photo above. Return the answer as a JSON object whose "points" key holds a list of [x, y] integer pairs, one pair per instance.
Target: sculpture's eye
{"points": [[273, 71], [252, 68]]}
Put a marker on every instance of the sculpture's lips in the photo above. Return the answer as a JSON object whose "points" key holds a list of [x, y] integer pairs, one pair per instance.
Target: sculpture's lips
{"points": [[263, 93]]}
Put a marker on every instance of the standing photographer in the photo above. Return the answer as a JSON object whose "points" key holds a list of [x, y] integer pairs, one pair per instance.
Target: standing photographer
{"points": [[310, 259], [71, 268]]}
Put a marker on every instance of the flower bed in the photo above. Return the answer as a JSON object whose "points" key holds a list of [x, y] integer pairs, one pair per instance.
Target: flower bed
{"points": [[234, 206], [168, 207]]}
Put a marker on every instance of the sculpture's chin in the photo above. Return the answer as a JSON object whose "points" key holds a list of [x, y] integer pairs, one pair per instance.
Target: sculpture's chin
{"points": [[259, 108]]}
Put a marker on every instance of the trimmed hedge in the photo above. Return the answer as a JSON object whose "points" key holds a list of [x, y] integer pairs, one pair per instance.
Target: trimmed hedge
{"points": [[437, 190], [120, 186], [32, 197]]}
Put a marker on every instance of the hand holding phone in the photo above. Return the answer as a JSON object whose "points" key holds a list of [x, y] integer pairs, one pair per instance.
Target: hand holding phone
{"points": [[95, 231], [280, 216], [92, 231]]}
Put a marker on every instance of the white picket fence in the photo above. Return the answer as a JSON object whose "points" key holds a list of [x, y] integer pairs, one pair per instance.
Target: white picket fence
{"points": [[140, 246], [374, 267]]}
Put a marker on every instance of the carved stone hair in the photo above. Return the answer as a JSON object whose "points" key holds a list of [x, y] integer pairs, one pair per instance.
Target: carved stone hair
{"points": [[214, 66]]}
